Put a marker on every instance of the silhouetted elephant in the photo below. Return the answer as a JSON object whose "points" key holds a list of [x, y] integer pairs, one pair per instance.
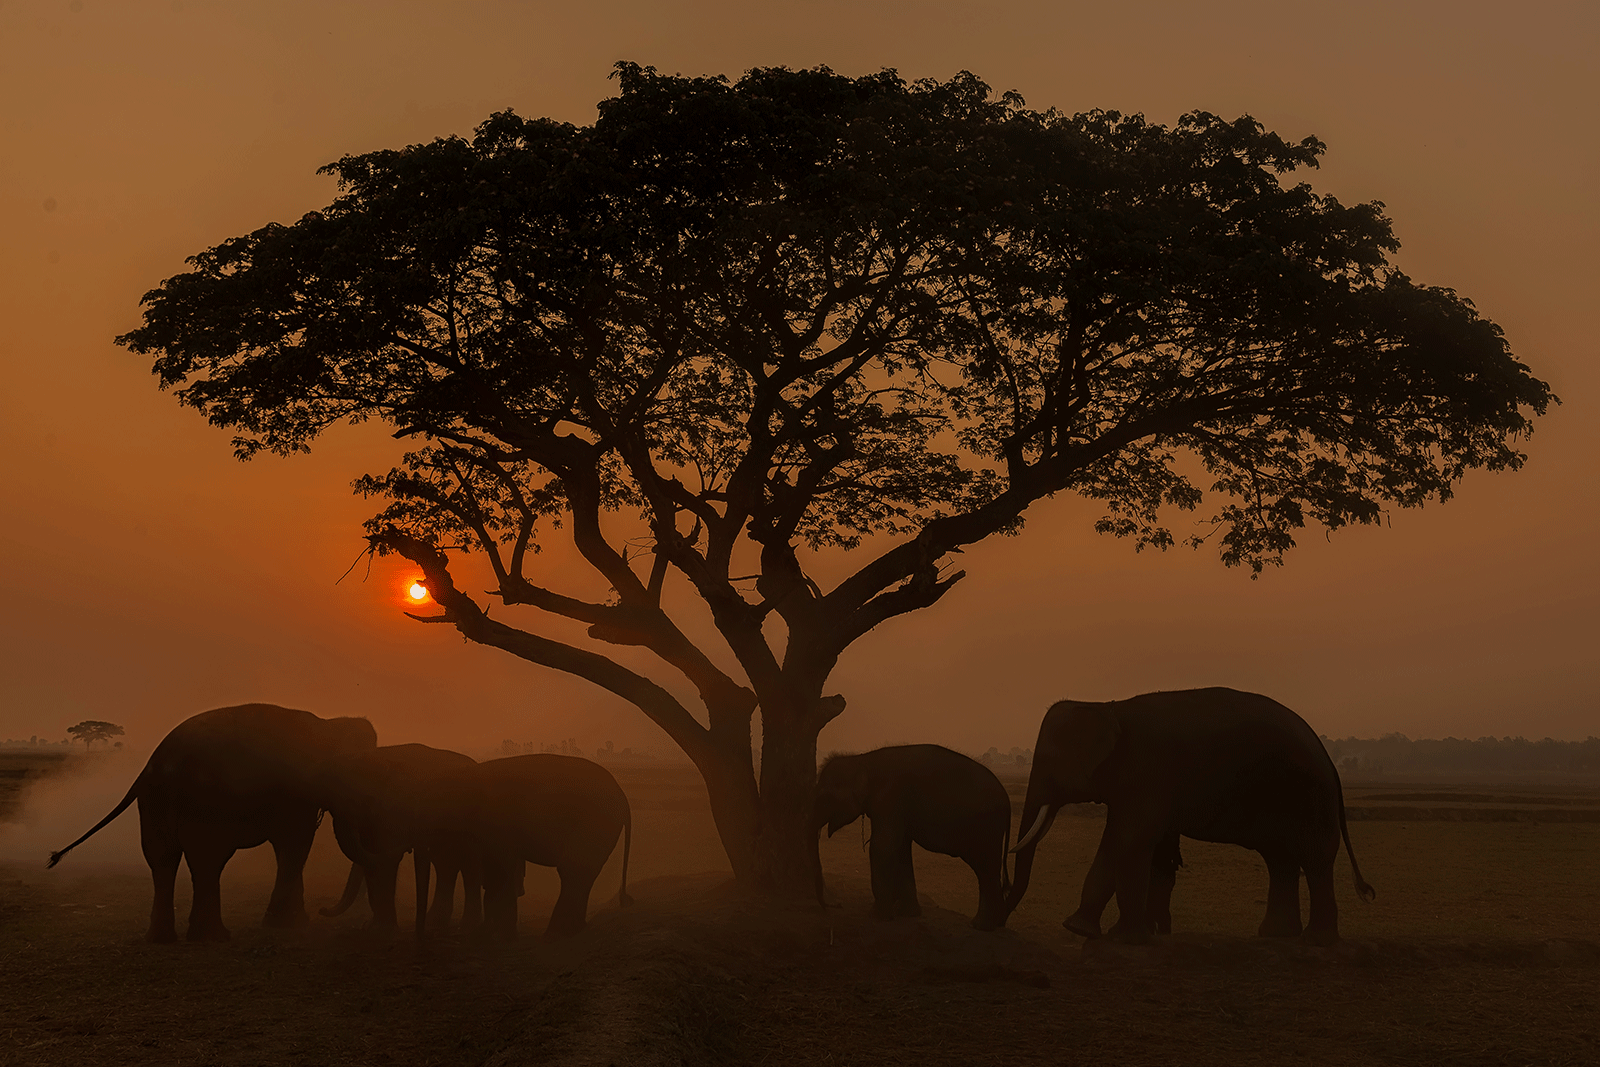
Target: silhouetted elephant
{"points": [[555, 811], [230, 779], [1211, 764], [927, 794], [373, 805]]}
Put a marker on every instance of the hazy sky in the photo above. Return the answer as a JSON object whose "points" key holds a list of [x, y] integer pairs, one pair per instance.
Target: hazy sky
{"points": [[151, 576]]}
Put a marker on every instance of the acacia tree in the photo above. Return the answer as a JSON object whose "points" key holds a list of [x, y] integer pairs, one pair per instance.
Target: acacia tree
{"points": [[802, 312], [91, 730]]}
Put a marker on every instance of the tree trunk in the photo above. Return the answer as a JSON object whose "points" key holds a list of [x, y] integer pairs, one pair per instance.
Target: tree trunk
{"points": [[766, 830], [786, 850], [735, 807]]}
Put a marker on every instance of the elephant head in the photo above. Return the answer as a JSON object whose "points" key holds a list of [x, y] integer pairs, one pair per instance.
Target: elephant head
{"points": [[1069, 764], [840, 797], [368, 801]]}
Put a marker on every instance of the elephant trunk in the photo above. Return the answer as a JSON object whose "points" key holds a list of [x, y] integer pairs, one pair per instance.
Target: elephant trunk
{"points": [[1037, 815], [352, 887]]}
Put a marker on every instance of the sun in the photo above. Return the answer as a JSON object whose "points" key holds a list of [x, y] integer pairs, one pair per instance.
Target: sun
{"points": [[418, 591]]}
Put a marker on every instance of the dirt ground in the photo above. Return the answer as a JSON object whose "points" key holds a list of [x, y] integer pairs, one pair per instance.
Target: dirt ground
{"points": [[1482, 948]]}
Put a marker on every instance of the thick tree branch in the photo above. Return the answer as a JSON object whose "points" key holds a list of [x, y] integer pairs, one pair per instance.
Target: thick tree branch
{"points": [[468, 618]]}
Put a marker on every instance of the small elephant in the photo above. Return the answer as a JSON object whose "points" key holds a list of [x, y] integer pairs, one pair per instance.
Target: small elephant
{"points": [[557, 811], [375, 823], [942, 800], [229, 779], [1211, 764]]}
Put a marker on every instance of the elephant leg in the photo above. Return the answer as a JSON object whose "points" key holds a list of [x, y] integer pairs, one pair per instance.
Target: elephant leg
{"points": [[205, 874], [499, 901], [908, 906], [1163, 877], [1129, 843], [444, 897], [1323, 929], [471, 895], [1283, 896], [987, 864], [288, 904], [1098, 887], [571, 912], [163, 856], [382, 879], [889, 855], [1133, 896]]}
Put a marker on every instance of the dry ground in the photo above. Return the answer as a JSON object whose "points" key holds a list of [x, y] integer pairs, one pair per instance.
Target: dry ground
{"points": [[1481, 949]]}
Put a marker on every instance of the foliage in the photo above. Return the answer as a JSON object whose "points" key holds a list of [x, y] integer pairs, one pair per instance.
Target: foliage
{"points": [[804, 311], [92, 730]]}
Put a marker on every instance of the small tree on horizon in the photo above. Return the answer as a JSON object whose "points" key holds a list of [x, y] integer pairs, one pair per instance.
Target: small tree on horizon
{"points": [[92, 730], [803, 312]]}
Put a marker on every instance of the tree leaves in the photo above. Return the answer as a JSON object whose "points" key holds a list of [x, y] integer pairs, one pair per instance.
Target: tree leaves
{"points": [[810, 309]]}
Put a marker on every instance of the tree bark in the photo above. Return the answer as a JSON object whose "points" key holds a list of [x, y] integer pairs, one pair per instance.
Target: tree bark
{"points": [[786, 846]]}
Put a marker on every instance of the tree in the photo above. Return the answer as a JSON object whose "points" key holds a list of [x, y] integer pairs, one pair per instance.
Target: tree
{"points": [[92, 730], [745, 322]]}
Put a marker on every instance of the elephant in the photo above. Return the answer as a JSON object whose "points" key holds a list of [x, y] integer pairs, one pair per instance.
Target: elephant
{"points": [[375, 823], [1209, 764], [229, 779], [556, 811], [942, 800]]}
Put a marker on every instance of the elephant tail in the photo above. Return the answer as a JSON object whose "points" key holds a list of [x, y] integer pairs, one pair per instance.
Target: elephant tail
{"points": [[1363, 890], [133, 794], [623, 899], [352, 886]]}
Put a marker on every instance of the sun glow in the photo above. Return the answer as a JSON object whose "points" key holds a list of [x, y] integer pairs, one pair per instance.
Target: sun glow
{"points": [[418, 591]]}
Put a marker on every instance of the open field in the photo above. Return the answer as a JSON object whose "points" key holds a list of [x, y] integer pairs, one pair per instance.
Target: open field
{"points": [[1482, 948]]}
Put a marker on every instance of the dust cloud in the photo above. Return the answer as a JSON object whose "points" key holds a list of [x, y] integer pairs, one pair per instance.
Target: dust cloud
{"points": [[57, 809]]}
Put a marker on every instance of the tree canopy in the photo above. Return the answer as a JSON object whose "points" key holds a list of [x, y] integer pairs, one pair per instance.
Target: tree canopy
{"points": [[92, 730], [803, 311]]}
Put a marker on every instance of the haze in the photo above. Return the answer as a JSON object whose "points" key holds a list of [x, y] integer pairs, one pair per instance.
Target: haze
{"points": [[151, 576]]}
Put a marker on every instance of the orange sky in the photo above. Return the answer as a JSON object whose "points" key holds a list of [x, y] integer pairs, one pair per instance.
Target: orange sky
{"points": [[150, 576]]}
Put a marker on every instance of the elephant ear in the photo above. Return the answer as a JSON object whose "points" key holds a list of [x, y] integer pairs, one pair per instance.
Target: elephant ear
{"points": [[1089, 733]]}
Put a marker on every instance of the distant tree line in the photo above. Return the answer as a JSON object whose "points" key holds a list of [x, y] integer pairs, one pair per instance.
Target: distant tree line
{"points": [[1396, 752], [1020, 757], [569, 747]]}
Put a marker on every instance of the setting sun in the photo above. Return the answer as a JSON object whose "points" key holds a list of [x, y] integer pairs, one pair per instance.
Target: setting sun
{"points": [[418, 591]]}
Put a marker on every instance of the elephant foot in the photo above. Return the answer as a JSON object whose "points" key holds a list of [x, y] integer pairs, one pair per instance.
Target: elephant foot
{"points": [[286, 920], [163, 936], [1082, 925], [883, 914], [1130, 934], [1273, 926], [984, 922], [209, 933]]}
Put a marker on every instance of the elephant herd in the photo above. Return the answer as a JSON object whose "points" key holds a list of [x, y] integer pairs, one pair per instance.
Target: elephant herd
{"points": [[1209, 764], [240, 777]]}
